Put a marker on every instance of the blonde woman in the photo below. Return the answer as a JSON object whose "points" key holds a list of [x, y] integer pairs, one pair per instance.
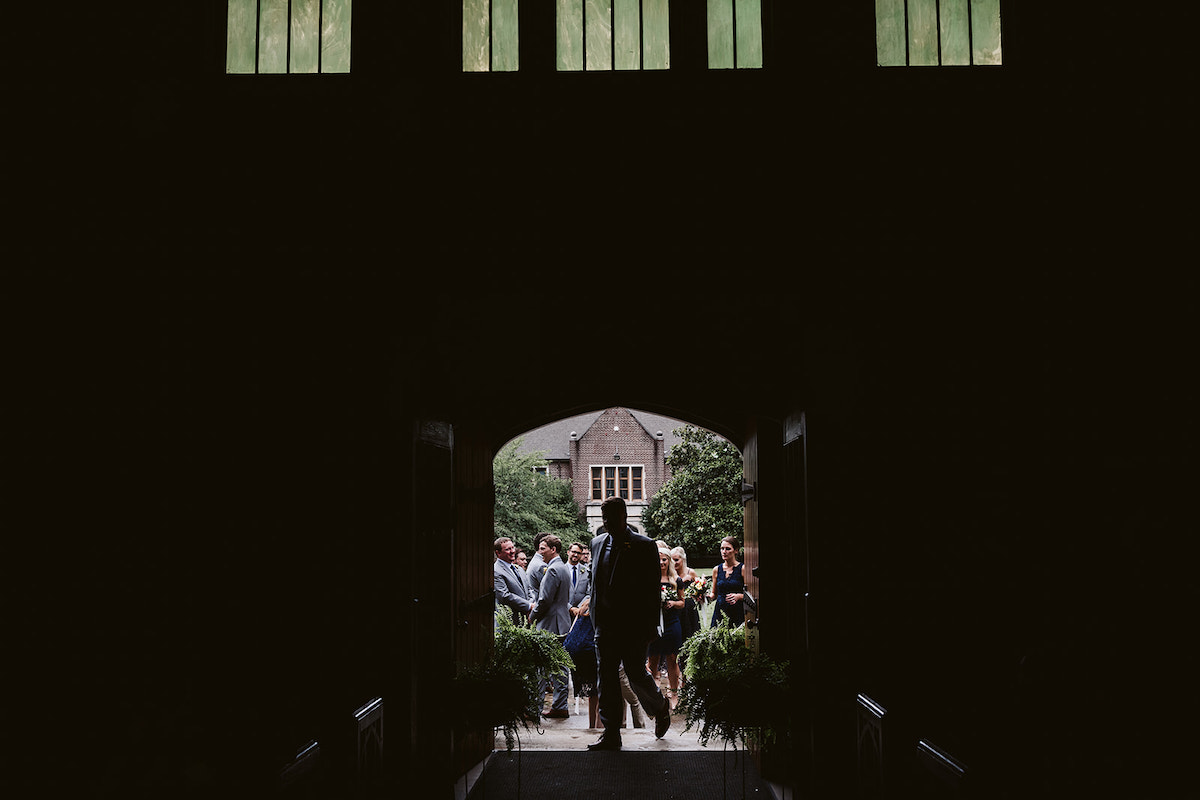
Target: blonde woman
{"points": [[666, 648], [685, 573]]}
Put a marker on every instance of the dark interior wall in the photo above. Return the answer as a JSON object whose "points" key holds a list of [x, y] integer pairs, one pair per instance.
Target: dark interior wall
{"points": [[207, 479], [921, 519], [381, 163], [218, 480], [213, 445], [983, 534]]}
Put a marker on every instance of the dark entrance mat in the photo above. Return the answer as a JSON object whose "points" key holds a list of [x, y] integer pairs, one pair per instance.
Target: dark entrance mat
{"points": [[631, 775]]}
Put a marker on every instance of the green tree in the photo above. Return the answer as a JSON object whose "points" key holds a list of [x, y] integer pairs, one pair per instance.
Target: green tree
{"points": [[701, 503], [528, 502]]}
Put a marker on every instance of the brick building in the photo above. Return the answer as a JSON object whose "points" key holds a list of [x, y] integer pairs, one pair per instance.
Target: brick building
{"points": [[615, 451]]}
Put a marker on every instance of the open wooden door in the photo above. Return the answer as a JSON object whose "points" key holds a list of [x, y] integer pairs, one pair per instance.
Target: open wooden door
{"points": [[453, 604], [776, 553], [473, 599], [795, 545], [430, 613]]}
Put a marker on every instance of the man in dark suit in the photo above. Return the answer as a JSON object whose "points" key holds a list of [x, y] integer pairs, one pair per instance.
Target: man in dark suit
{"points": [[627, 615]]}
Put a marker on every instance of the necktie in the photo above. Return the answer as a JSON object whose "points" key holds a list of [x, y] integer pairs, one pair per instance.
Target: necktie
{"points": [[514, 569], [573, 575], [613, 555]]}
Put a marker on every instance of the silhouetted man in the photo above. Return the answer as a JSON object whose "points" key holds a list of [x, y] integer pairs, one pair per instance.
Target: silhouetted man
{"points": [[627, 615]]}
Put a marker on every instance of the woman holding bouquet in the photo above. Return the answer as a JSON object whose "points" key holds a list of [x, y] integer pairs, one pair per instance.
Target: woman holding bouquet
{"points": [[666, 648], [692, 590]]}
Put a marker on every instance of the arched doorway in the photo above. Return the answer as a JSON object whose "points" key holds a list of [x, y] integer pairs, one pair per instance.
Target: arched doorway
{"points": [[774, 505]]}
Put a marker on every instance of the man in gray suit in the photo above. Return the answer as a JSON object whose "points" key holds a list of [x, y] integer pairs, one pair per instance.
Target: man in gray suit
{"points": [[506, 581], [533, 582], [581, 577], [536, 568], [552, 614], [522, 562]]}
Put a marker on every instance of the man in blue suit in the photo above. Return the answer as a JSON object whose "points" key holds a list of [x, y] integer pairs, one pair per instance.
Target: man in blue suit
{"points": [[627, 614], [507, 582]]}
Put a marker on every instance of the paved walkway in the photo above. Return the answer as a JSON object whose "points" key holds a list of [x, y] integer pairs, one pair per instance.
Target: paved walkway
{"points": [[573, 733]]}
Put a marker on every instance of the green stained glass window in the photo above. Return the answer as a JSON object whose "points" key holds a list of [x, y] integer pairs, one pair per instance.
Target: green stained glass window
{"points": [[287, 36], [735, 37], [931, 33], [490, 36], [597, 35]]}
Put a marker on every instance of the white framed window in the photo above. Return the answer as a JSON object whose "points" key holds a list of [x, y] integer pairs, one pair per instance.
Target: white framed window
{"points": [[626, 481]]}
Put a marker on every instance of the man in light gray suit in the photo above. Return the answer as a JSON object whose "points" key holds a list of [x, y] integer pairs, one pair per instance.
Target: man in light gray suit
{"points": [[581, 577], [536, 568], [506, 581], [522, 562], [552, 614]]}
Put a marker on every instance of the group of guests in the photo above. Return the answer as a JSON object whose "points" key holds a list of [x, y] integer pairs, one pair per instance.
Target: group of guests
{"points": [[546, 591], [620, 626], [684, 593]]}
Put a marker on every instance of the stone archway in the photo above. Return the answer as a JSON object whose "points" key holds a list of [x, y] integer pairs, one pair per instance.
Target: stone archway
{"points": [[767, 509]]}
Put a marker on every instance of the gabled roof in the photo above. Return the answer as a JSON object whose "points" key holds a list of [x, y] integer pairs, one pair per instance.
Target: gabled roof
{"points": [[555, 439]]}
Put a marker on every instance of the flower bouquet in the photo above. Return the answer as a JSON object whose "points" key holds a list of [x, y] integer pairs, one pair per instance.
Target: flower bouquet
{"points": [[669, 594], [696, 590]]}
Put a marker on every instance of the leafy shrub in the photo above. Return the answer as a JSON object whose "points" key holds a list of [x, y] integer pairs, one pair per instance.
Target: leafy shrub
{"points": [[730, 691], [504, 690]]}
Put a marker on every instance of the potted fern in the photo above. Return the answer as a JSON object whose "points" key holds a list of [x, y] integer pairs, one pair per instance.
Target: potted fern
{"points": [[731, 692], [503, 690]]}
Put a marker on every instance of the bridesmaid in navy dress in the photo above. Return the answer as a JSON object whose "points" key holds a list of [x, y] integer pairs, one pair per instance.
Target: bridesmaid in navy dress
{"points": [[728, 586], [689, 617], [665, 650]]}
